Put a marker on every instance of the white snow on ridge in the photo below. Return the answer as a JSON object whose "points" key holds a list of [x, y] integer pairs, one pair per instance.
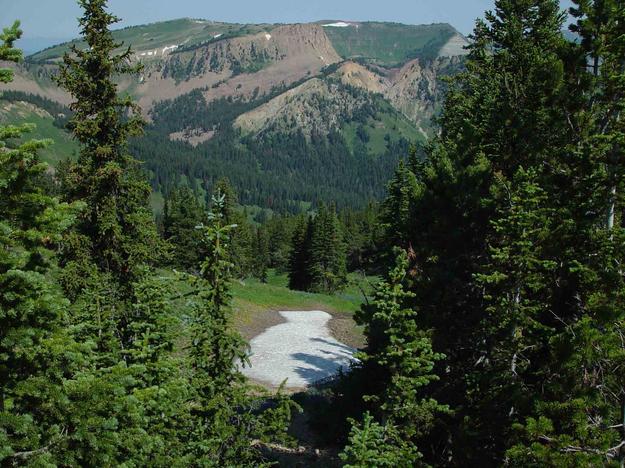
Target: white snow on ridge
{"points": [[340, 24], [267, 36], [168, 48]]}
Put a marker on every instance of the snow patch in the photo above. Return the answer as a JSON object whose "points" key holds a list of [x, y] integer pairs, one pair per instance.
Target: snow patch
{"points": [[339, 24], [168, 48], [217, 36], [267, 36], [301, 350]]}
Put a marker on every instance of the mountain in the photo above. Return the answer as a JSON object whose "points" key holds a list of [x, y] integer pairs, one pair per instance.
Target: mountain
{"points": [[358, 92]]}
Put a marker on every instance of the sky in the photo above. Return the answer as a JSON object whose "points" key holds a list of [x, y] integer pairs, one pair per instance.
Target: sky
{"points": [[56, 19]]}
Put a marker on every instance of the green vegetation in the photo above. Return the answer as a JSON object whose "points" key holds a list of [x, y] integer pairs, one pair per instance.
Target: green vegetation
{"points": [[185, 32], [20, 111], [318, 255], [513, 225], [278, 170], [386, 126], [389, 44], [274, 294]]}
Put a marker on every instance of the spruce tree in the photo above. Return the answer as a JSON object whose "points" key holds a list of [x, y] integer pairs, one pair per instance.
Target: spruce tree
{"points": [[578, 418], [299, 258], [116, 232], [242, 241], [37, 355], [373, 445], [481, 283], [327, 260], [228, 430], [396, 368], [183, 213]]}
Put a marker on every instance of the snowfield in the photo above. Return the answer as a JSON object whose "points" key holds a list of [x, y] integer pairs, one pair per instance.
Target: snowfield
{"points": [[301, 350], [168, 48], [340, 24]]}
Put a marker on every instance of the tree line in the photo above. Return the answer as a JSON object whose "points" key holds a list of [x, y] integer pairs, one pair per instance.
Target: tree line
{"points": [[316, 249]]}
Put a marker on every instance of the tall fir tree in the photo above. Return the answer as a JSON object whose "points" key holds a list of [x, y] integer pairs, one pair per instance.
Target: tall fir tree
{"points": [[116, 232], [327, 261], [299, 257], [182, 214], [37, 355], [396, 368]]}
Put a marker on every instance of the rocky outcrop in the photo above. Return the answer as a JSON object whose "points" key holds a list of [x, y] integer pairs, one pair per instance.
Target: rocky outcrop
{"points": [[316, 106]]}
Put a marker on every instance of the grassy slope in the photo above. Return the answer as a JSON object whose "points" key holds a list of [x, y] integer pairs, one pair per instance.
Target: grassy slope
{"points": [[186, 32], [388, 44], [255, 303], [19, 113]]}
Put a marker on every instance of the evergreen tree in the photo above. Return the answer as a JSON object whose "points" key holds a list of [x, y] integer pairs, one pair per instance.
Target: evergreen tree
{"points": [[374, 445], [482, 284], [396, 365], [243, 238], [299, 275], [327, 262], [37, 355], [116, 232], [226, 425], [183, 213], [579, 418], [261, 254]]}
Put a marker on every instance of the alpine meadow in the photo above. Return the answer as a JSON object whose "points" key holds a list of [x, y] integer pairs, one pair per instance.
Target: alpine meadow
{"points": [[332, 243]]}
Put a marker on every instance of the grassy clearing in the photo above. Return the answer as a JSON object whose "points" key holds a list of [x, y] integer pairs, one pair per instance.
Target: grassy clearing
{"points": [[184, 32], [255, 304]]}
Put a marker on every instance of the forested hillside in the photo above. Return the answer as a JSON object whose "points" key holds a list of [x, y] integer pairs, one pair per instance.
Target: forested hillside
{"points": [[292, 114]]}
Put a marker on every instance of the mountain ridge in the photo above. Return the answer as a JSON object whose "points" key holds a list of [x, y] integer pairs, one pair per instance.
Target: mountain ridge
{"points": [[227, 97]]}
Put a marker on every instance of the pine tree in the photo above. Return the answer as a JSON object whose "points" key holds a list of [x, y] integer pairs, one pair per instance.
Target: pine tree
{"points": [[299, 258], [480, 283], [373, 445], [227, 424], [327, 261], [579, 418], [397, 363], [37, 355], [116, 232], [261, 254], [395, 215], [183, 213], [242, 241]]}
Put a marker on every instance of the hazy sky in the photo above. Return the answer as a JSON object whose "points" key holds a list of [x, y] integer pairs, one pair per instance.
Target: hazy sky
{"points": [[57, 18]]}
